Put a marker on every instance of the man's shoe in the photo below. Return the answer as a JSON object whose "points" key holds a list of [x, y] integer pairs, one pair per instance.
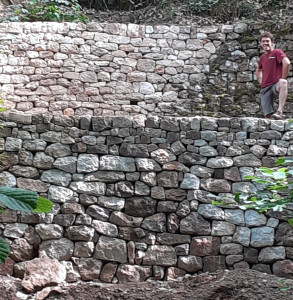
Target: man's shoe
{"points": [[277, 115]]}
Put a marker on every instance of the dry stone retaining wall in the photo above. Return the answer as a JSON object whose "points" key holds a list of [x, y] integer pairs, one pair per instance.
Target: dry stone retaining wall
{"points": [[132, 195], [128, 69]]}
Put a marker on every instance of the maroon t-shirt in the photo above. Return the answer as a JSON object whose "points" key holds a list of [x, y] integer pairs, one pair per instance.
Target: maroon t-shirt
{"points": [[271, 66]]}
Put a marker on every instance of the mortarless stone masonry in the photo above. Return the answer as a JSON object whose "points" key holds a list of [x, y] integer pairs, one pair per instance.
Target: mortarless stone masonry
{"points": [[132, 195], [128, 69]]}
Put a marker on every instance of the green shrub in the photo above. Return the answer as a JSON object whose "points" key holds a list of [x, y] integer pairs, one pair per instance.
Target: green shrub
{"points": [[202, 5], [275, 189], [46, 10]]}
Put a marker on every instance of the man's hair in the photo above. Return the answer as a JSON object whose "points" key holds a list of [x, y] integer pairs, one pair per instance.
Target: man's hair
{"points": [[266, 34]]}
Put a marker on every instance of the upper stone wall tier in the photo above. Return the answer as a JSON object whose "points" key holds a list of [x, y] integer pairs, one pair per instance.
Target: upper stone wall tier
{"points": [[118, 69]]}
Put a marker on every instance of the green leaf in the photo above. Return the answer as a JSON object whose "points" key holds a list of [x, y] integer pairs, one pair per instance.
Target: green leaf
{"points": [[280, 161], [284, 160], [250, 177], [290, 221], [279, 175], [18, 199], [265, 170], [4, 250], [44, 205]]}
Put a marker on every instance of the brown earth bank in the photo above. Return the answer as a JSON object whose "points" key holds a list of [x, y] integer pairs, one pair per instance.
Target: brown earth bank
{"points": [[228, 285]]}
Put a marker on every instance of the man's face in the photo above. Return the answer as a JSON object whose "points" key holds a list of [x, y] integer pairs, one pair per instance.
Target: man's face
{"points": [[266, 44]]}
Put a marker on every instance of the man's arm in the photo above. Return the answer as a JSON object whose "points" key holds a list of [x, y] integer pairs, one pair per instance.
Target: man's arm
{"points": [[258, 73], [285, 67]]}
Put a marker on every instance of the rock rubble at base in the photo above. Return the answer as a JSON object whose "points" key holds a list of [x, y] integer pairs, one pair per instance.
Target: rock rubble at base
{"points": [[143, 209]]}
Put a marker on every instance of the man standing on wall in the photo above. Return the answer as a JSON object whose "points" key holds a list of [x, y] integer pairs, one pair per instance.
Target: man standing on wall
{"points": [[271, 73]]}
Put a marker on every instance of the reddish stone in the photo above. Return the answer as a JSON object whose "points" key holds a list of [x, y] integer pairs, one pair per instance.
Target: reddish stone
{"points": [[205, 245], [283, 268], [7, 267], [42, 272], [108, 272], [130, 273], [214, 263], [21, 250], [8, 216], [68, 112], [174, 273], [131, 252]]}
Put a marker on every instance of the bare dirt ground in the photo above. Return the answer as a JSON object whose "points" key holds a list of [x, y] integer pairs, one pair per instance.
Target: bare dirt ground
{"points": [[224, 285]]}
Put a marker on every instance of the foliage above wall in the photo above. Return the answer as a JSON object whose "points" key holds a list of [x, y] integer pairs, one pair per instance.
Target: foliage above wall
{"points": [[44, 10], [149, 11]]}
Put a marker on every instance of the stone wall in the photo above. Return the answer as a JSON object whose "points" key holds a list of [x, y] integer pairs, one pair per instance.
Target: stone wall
{"points": [[118, 69], [132, 195]]}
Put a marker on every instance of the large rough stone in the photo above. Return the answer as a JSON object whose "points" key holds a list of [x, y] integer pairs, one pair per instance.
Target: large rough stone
{"points": [[254, 219], [98, 212], [156, 223], [84, 249], [190, 181], [90, 188], [116, 163], [58, 150], [242, 235], [220, 162], [42, 272], [129, 273], [173, 239], [122, 219], [231, 249], [43, 161], [168, 179], [221, 228], [80, 233], [66, 164], [108, 272], [160, 255], [234, 216], [105, 228], [56, 177], [214, 263], [194, 223], [147, 164], [163, 156], [49, 231], [89, 268], [262, 237], [216, 185], [60, 249], [211, 211], [190, 263], [111, 249], [15, 230], [283, 269], [284, 235], [205, 246], [87, 163], [59, 194], [269, 255], [247, 160], [21, 250], [140, 206]]}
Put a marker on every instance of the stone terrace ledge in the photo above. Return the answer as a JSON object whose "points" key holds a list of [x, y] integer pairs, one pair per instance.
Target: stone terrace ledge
{"points": [[133, 195]]}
